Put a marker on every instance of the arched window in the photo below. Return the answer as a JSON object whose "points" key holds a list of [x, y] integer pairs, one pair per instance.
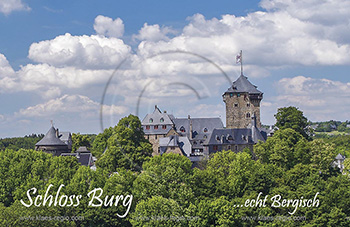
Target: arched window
{"points": [[182, 129], [205, 130], [151, 120], [248, 115], [162, 120]]}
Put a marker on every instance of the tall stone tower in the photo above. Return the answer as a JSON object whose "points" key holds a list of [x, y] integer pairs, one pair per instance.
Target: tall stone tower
{"points": [[242, 101]]}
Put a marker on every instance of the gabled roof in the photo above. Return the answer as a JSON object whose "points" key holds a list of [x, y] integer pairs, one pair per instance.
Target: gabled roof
{"points": [[155, 118], [242, 85], [64, 136], [50, 139]]}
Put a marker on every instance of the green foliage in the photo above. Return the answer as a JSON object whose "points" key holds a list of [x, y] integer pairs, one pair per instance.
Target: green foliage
{"points": [[285, 149], [291, 117], [80, 140], [27, 142], [126, 147], [169, 192]]}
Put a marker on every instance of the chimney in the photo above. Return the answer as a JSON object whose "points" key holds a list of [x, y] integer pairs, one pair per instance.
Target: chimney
{"points": [[191, 131], [57, 134]]}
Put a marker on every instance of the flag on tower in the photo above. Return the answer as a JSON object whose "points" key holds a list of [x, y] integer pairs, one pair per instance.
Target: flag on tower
{"points": [[239, 58]]}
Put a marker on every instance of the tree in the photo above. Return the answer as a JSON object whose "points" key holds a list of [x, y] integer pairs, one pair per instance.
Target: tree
{"points": [[292, 117], [80, 140], [168, 176], [285, 149], [126, 147]]}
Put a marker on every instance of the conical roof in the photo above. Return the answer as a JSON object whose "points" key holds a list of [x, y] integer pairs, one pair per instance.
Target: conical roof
{"points": [[242, 84], [50, 139]]}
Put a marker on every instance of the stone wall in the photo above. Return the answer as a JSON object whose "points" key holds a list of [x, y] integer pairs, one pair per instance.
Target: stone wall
{"points": [[240, 109]]}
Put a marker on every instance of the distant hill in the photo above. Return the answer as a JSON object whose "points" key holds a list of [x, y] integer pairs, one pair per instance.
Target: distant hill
{"points": [[26, 142]]}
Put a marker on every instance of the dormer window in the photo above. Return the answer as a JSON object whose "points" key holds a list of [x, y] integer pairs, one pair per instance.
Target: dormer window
{"points": [[229, 137], [163, 126], [162, 120], [182, 129], [151, 120], [147, 127], [205, 130], [156, 127], [217, 138]]}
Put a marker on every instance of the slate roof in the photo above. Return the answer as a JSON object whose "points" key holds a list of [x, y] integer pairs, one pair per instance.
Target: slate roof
{"points": [[64, 136], [175, 141], [50, 139], [83, 158], [238, 136], [198, 127], [82, 149], [154, 119], [242, 85]]}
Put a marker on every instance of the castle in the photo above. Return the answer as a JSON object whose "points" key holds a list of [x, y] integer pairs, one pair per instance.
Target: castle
{"points": [[60, 144], [197, 138]]}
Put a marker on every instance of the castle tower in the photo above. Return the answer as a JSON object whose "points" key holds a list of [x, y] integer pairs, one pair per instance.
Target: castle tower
{"points": [[242, 101]]}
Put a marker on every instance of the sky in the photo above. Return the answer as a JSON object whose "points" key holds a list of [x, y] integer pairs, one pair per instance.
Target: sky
{"points": [[66, 61]]}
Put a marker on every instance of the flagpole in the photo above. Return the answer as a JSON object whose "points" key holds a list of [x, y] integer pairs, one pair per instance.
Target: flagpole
{"points": [[241, 63]]}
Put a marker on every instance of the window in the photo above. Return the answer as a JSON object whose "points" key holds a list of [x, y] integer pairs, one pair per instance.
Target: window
{"points": [[156, 137], [248, 115], [163, 126], [182, 129], [205, 137], [238, 95], [151, 120], [156, 127], [229, 137], [162, 120], [172, 148], [148, 137], [215, 147], [248, 104], [205, 130], [229, 147], [147, 127], [236, 148], [236, 104], [231, 95]]}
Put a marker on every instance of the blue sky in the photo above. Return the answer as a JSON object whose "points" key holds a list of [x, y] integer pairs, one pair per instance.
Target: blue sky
{"points": [[57, 56]]}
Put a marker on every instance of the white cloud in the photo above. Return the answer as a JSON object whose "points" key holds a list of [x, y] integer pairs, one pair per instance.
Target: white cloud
{"points": [[71, 104], [106, 26], [153, 33], [8, 6], [87, 52], [5, 68], [321, 99], [289, 33]]}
